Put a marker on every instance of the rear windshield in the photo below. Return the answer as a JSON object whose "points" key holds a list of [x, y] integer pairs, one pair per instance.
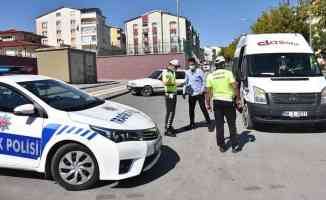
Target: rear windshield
{"points": [[283, 65], [155, 74]]}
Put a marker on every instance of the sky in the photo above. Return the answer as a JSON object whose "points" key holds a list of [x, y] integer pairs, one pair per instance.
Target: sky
{"points": [[217, 21]]}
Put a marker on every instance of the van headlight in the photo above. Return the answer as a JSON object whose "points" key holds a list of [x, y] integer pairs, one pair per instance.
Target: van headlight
{"points": [[117, 136], [323, 96], [260, 96]]}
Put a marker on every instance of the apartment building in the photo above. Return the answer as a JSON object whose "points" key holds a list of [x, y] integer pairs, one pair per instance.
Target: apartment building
{"points": [[157, 32], [118, 37], [78, 28], [19, 43]]}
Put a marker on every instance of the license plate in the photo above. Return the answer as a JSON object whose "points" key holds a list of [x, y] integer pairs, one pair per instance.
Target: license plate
{"points": [[295, 114]]}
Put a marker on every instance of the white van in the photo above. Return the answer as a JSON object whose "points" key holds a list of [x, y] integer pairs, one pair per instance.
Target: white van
{"points": [[281, 81]]}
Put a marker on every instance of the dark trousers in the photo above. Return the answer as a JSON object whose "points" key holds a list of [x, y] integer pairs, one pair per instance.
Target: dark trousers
{"points": [[192, 104], [170, 104], [225, 109]]}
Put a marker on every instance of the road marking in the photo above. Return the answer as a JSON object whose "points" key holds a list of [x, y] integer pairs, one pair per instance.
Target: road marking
{"points": [[108, 91]]}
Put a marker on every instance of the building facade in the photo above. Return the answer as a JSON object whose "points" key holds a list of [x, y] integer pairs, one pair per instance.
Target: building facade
{"points": [[156, 32], [118, 37], [77, 28], [19, 43]]}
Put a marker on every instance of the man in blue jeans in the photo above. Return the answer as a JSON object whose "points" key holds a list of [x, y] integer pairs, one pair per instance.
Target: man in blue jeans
{"points": [[195, 88]]}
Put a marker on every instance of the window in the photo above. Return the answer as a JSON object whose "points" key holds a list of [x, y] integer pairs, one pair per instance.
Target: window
{"points": [[180, 75], [59, 41], [45, 33], [173, 27], [61, 96], [45, 41], [135, 29], [88, 29], [10, 99], [59, 32], [283, 65], [73, 30], [154, 28], [145, 20], [89, 39], [58, 23], [58, 14], [73, 22], [44, 25]]}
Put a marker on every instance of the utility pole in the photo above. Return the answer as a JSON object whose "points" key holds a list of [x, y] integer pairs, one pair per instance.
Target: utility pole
{"points": [[178, 14]]}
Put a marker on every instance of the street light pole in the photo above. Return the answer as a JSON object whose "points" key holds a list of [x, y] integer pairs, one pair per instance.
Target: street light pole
{"points": [[178, 14]]}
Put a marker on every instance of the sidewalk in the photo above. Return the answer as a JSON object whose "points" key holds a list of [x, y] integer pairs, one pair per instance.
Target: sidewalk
{"points": [[105, 90], [95, 85]]}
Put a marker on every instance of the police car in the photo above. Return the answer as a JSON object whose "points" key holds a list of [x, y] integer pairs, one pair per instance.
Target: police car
{"points": [[77, 139]]}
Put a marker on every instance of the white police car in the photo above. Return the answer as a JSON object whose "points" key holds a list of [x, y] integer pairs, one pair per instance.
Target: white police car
{"points": [[50, 127]]}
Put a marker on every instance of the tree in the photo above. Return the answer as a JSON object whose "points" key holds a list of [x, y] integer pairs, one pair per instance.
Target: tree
{"points": [[283, 19], [228, 52], [318, 12]]}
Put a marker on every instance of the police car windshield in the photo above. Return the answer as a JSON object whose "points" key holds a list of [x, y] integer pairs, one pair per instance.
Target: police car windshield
{"points": [[61, 96], [283, 65], [155, 75]]}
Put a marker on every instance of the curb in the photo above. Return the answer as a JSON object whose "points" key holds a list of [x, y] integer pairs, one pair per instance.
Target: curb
{"points": [[117, 94], [99, 85]]}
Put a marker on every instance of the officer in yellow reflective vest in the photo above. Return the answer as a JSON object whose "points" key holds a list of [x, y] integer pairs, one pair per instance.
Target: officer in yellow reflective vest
{"points": [[169, 80], [224, 91]]}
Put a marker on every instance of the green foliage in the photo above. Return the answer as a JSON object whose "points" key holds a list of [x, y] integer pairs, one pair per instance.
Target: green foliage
{"points": [[318, 11], [228, 52], [283, 19]]}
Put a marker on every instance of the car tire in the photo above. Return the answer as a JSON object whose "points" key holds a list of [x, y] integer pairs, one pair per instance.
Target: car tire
{"points": [[135, 92], [247, 118], [147, 91], [74, 167]]}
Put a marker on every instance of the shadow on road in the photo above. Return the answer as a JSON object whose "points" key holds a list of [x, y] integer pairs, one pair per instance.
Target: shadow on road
{"points": [[166, 163], [21, 173], [293, 129], [244, 138]]}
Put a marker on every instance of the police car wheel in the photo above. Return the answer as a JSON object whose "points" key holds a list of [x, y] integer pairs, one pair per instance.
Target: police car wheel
{"points": [[74, 167], [147, 91]]}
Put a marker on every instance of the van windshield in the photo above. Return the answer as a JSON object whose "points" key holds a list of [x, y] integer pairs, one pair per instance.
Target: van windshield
{"points": [[283, 65]]}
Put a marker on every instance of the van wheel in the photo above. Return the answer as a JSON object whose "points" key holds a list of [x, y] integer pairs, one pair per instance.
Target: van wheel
{"points": [[246, 118], [74, 167], [147, 91]]}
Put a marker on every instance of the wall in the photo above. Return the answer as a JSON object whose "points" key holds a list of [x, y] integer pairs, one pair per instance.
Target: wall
{"points": [[132, 67], [29, 64], [82, 67], [54, 64]]}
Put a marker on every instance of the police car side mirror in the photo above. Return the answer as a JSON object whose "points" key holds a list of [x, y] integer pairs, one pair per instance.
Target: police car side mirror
{"points": [[25, 110]]}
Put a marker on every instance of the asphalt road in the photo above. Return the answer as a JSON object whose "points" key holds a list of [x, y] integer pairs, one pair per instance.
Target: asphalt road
{"points": [[281, 163]]}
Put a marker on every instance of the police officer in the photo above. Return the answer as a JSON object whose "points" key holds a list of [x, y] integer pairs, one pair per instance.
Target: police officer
{"points": [[195, 88], [169, 80], [223, 89]]}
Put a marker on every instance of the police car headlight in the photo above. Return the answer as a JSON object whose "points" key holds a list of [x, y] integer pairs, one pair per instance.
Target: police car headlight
{"points": [[323, 96], [117, 136], [260, 96]]}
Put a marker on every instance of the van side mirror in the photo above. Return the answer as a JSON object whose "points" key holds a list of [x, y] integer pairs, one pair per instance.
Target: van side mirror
{"points": [[25, 110]]}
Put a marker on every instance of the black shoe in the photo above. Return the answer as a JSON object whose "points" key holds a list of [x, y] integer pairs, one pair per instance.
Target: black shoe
{"points": [[210, 127], [236, 149], [170, 132], [223, 149]]}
